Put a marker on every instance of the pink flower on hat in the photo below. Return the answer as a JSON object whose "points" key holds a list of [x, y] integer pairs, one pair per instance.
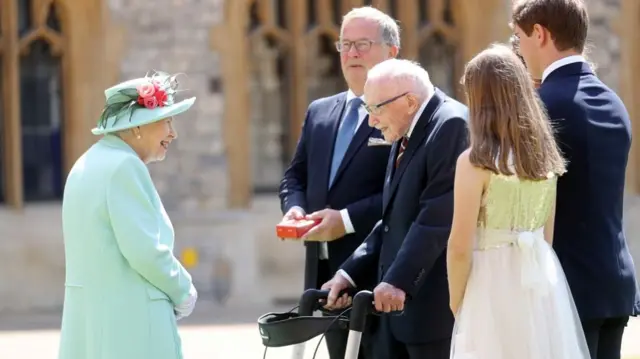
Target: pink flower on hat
{"points": [[151, 95], [146, 90], [150, 102]]}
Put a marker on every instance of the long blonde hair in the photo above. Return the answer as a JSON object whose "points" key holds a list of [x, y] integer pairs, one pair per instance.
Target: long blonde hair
{"points": [[509, 128]]}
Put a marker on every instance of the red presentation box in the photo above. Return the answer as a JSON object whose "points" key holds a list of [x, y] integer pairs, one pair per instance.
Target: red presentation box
{"points": [[295, 228]]}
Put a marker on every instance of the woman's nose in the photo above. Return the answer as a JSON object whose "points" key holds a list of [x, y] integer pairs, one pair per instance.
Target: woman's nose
{"points": [[173, 133]]}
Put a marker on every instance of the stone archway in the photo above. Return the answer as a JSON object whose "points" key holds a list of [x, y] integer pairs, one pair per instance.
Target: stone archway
{"points": [[80, 48]]}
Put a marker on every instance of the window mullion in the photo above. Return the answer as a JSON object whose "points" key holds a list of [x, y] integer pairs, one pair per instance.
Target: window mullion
{"points": [[11, 105]]}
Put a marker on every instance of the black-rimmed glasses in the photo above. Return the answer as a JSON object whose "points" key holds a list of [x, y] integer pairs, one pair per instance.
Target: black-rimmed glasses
{"points": [[361, 46], [375, 109]]}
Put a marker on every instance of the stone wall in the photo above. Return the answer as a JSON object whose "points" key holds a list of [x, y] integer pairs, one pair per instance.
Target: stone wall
{"points": [[173, 36], [31, 259], [603, 48]]}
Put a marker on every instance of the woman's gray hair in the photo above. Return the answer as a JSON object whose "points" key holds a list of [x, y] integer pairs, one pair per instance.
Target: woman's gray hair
{"points": [[389, 29], [406, 74]]}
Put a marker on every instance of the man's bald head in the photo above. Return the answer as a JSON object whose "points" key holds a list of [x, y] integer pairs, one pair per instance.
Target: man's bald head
{"points": [[401, 75], [394, 91]]}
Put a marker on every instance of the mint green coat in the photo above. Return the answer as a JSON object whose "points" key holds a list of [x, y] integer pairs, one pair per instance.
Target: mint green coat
{"points": [[122, 279]]}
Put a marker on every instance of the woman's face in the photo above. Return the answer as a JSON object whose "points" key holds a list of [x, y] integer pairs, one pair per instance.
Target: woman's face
{"points": [[154, 140]]}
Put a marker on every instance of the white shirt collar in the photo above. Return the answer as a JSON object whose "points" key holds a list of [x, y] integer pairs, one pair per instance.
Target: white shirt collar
{"points": [[351, 96], [416, 117], [562, 62]]}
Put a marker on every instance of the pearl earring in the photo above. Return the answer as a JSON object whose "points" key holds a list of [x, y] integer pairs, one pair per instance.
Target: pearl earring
{"points": [[138, 136]]}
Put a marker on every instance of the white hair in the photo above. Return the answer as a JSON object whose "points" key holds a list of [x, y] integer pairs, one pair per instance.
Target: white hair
{"points": [[406, 74], [389, 29]]}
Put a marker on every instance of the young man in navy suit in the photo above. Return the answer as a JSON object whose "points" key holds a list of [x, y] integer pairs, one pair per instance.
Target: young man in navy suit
{"points": [[407, 248], [594, 133], [337, 172]]}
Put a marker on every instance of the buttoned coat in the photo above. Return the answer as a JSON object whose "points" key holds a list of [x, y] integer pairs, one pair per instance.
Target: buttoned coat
{"points": [[122, 278]]}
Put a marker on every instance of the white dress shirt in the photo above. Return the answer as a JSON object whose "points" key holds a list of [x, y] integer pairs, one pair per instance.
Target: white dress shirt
{"points": [[562, 62]]}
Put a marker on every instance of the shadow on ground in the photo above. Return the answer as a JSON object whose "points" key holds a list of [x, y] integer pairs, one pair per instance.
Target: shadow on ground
{"points": [[205, 313]]}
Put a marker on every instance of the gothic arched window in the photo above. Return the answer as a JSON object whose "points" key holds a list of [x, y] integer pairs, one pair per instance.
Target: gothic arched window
{"points": [[41, 100], [437, 43], [31, 113], [269, 84], [2, 132]]}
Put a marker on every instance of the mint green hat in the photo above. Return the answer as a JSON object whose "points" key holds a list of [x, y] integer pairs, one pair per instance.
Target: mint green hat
{"points": [[139, 102]]}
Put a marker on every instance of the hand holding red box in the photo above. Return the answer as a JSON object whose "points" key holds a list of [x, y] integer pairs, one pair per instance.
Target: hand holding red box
{"points": [[295, 228]]}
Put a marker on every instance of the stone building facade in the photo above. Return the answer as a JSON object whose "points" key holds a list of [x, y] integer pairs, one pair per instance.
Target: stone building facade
{"points": [[254, 66]]}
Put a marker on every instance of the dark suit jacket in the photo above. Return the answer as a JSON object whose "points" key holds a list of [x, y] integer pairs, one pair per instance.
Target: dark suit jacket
{"points": [[407, 247], [356, 187], [594, 134]]}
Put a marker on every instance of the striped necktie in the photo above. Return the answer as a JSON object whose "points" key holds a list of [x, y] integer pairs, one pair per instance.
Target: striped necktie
{"points": [[403, 146]]}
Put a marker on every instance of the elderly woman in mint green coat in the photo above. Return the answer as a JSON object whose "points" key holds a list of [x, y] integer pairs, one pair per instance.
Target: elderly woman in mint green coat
{"points": [[124, 288]]}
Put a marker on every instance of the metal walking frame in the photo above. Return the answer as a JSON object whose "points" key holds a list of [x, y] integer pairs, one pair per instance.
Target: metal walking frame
{"points": [[289, 328]]}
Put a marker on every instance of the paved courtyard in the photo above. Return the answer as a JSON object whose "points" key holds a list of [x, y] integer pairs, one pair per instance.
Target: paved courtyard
{"points": [[199, 342], [212, 332]]}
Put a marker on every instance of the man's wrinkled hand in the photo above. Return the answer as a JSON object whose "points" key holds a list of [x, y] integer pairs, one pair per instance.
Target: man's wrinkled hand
{"points": [[330, 228], [336, 285], [388, 298]]}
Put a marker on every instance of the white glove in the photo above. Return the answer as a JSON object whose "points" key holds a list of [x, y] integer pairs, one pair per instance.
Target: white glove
{"points": [[185, 308]]}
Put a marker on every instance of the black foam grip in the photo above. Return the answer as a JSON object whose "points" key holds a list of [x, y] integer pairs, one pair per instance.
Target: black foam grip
{"points": [[362, 307], [310, 300]]}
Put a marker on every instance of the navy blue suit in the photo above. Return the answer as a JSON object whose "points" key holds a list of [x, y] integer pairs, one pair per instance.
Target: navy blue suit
{"points": [[407, 248], [357, 185], [594, 134]]}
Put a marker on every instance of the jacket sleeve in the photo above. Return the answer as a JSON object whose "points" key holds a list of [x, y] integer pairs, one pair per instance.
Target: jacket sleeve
{"points": [[135, 219], [362, 265], [293, 186], [426, 240], [365, 212]]}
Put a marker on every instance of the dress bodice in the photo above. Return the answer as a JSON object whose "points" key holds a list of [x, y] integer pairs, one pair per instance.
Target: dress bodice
{"points": [[514, 205]]}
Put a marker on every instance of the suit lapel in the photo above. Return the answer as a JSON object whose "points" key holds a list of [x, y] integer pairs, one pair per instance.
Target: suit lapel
{"points": [[327, 135], [361, 135], [416, 139], [386, 193]]}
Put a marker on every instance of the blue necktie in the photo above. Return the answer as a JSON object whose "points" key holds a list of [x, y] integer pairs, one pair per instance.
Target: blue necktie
{"points": [[345, 134]]}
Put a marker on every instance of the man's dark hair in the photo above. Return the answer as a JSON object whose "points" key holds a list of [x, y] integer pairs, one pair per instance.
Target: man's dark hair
{"points": [[566, 20]]}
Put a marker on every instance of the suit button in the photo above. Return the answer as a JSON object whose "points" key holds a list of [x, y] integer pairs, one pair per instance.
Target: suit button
{"points": [[386, 229]]}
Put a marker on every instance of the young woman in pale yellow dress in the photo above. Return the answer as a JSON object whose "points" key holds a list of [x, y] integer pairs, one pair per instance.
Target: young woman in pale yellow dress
{"points": [[508, 290]]}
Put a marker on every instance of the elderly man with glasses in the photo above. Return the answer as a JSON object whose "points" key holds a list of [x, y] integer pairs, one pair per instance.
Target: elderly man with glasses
{"points": [[337, 172], [406, 249]]}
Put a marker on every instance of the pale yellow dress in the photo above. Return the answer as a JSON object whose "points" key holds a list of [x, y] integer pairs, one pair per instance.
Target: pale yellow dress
{"points": [[517, 303]]}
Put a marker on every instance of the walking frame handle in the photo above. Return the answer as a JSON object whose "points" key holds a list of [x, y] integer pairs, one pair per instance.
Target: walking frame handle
{"points": [[362, 307], [311, 299]]}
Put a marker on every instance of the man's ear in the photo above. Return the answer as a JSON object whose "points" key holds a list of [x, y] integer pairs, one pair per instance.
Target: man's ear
{"points": [[414, 104], [393, 52], [540, 35]]}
